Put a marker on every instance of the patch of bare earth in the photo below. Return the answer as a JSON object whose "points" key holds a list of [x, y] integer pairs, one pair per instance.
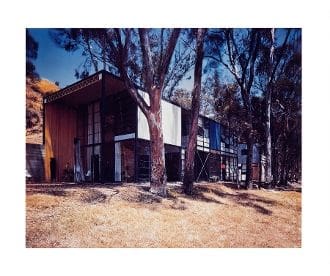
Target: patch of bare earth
{"points": [[35, 90], [130, 216]]}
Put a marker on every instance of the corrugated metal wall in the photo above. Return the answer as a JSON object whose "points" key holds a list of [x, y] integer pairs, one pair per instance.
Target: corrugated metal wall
{"points": [[35, 154]]}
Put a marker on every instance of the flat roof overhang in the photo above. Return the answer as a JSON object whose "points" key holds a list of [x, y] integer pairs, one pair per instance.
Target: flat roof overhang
{"points": [[87, 90]]}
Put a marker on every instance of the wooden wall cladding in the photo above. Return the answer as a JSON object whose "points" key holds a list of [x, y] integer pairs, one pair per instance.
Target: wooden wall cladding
{"points": [[60, 131]]}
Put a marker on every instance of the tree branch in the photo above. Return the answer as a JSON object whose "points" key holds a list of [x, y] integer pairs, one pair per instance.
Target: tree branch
{"points": [[123, 54], [92, 56], [250, 55], [254, 57], [147, 58], [232, 63], [279, 58], [167, 56]]}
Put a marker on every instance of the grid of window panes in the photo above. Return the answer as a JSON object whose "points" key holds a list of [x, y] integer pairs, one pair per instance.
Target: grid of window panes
{"points": [[229, 141], [94, 124]]}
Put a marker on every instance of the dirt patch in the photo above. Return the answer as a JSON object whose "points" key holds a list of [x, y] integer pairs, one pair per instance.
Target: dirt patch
{"points": [[93, 196]]}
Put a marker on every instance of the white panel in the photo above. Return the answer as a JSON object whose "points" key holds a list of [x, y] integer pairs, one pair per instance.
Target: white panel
{"points": [[117, 162], [124, 137], [200, 138], [199, 143], [143, 129], [171, 122]]}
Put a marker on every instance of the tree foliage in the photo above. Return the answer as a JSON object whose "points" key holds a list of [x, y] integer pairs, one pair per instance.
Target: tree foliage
{"points": [[241, 102], [31, 55]]}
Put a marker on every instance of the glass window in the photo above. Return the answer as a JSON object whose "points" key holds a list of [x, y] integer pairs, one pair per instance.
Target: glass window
{"points": [[244, 152], [200, 131], [94, 124]]}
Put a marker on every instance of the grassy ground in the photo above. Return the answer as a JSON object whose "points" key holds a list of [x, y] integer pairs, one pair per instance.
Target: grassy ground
{"points": [[129, 216]]}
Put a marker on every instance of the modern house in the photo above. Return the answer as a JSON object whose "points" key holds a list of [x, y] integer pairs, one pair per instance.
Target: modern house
{"points": [[95, 127], [258, 163]]}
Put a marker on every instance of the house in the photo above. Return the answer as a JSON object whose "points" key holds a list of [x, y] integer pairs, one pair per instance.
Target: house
{"points": [[258, 163], [96, 132]]}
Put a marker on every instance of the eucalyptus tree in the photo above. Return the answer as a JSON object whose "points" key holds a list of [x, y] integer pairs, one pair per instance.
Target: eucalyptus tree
{"points": [[149, 58], [286, 115], [270, 67], [237, 50], [188, 178], [278, 55]]}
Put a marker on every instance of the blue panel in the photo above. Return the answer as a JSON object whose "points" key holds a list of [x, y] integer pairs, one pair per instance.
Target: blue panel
{"points": [[255, 154], [214, 135]]}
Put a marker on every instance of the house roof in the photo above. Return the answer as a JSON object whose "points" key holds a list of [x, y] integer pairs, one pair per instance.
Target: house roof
{"points": [[87, 90], [91, 90]]}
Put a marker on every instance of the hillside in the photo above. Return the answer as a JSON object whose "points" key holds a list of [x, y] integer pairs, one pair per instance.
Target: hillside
{"points": [[35, 90]]}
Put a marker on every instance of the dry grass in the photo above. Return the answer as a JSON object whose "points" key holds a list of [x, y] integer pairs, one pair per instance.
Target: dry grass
{"points": [[129, 216]]}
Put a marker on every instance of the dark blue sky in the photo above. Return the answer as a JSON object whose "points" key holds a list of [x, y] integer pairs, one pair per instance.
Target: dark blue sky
{"points": [[54, 63]]}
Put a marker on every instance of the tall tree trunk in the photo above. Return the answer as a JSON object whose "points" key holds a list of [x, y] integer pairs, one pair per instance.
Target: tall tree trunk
{"points": [[249, 157], [154, 85], [269, 176], [157, 149], [283, 173], [285, 168], [275, 163], [188, 178]]}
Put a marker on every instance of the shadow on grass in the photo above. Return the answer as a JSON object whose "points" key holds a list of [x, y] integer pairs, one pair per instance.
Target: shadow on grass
{"points": [[52, 192], [243, 199], [89, 196], [141, 194]]}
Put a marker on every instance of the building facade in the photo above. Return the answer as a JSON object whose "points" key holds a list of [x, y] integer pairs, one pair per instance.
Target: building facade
{"points": [[93, 128], [258, 163]]}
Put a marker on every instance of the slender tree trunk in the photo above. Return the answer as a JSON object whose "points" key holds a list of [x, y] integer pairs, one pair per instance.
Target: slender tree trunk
{"points": [[285, 168], [157, 149], [282, 178], [154, 84], [269, 176], [249, 156], [275, 163], [188, 178]]}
